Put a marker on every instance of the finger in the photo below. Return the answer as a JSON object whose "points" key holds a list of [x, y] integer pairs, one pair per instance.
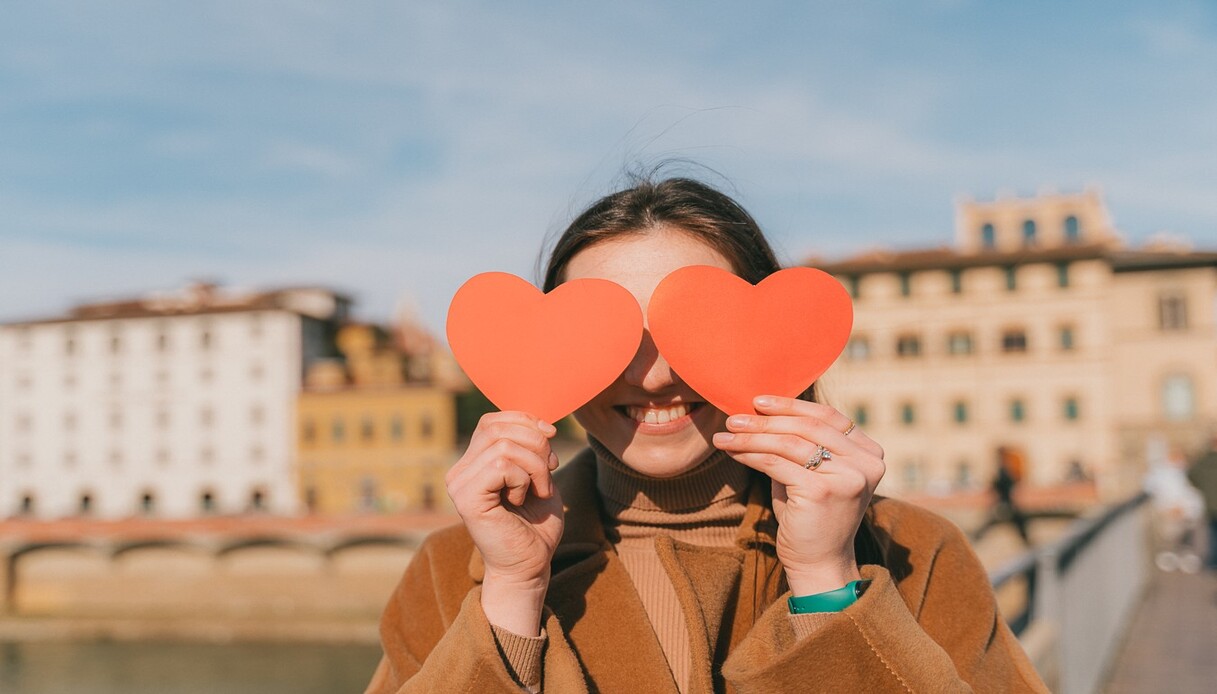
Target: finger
{"points": [[506, 452], [812, 429], [517, 426], [490, 420], [777, 405], [825, 413], [773, 466]]}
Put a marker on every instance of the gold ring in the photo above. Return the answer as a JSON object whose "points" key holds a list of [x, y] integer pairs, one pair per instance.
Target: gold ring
{"points": [[850, 427]]}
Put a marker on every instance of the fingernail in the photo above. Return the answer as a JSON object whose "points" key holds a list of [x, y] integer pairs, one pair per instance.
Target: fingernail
{"points": [[553, 461], [764, 401], [547, 428], [738, 420], [723, 437]]}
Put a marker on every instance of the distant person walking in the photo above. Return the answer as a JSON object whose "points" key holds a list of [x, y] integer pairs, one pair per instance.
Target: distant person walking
{"points": [[1203, 475], [1177, 508], [1009, 473]]}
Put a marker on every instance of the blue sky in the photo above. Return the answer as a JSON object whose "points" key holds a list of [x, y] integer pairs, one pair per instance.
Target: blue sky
{"points": [[394, 149]]}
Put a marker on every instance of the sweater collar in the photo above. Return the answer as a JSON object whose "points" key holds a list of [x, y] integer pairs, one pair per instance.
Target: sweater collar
{"points": [[715, 481]]}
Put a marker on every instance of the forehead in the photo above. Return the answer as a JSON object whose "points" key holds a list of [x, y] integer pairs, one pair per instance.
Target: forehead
{"points": [[639, 261]]}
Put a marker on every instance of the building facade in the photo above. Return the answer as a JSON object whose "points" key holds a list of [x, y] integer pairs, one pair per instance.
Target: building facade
{"points": [[375, 434], [1038, 331], [173, 405]]}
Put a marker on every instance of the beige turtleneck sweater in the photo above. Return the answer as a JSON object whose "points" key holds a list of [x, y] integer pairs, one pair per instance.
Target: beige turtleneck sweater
{"points": [[704, 506]]}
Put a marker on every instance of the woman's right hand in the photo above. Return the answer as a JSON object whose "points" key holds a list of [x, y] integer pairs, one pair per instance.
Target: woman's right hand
{"points": [[503, 489]]}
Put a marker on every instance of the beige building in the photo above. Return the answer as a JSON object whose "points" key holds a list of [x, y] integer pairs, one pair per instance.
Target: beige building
{"points": [[371, 439], [1038, 330]]}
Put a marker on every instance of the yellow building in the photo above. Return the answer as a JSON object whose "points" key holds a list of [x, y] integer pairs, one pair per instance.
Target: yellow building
{"points": [[369, 440], [1039, 331]]}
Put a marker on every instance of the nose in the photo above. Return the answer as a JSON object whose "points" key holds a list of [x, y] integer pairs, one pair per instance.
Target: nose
{"points": [[648, 369]]}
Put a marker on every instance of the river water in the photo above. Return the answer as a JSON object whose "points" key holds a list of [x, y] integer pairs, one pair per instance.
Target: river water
{"points": [[119, 667]]}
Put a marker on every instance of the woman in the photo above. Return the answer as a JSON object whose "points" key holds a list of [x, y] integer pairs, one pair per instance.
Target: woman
{"points": [[686, 550]]}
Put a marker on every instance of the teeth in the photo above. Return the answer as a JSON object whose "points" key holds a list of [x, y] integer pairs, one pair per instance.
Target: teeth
{"points": [[657, 415]]}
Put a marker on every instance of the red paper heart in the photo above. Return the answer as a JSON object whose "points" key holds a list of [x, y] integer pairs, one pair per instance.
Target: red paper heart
{"points": [[731, 341], [545, 354]]}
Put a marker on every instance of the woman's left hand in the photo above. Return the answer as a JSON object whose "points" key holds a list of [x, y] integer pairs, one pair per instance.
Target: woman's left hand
{"points": [[818, 511]]}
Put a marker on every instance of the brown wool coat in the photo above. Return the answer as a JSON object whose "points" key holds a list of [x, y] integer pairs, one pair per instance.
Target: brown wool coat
{"points": [[928, 623]]}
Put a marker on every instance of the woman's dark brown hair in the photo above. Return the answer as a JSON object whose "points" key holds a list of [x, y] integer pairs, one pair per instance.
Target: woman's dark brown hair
{"points": [[677, 203]]}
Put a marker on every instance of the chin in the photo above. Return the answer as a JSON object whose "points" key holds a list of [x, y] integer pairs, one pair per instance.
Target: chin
{"points": [[664, 461]]}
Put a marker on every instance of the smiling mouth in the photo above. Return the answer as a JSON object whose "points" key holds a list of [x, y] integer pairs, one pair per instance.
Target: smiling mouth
{"points": [[658, 415]]}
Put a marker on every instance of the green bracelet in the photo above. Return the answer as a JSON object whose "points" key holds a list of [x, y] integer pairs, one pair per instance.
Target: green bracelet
{"points": [[832, 601]]}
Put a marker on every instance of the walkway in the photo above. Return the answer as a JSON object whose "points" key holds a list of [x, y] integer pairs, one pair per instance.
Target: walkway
{"points": [[1171, 644]]}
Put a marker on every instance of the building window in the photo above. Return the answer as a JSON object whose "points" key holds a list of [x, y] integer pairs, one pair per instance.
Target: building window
{"points": [[207, 502], [961, 412], [1178, 398], [27, 505], [257, 500], [69, 381], [162, 418], [854, 284], [1073, 232], [1062, 274], [207, 455], [908, 346], [205, 338], [257, 415], [988, 236], [23, 339], [116, 344], [427, 428], [85, 505], [1011, 278], [257, 454], [255, 325], [162, 456], [162, 340], [1029, 232], [1065, 335], [24, 382], [24, 422], [367, 429], [959, 343], [69, 459], [206, 417], [116, 458], [1018, 410], [69, 343], [963, 475], [147, 503], [911, 473], [956, 281], [908, 414], [308, 432], [858, 348], [338, 430], [1071, 409], [861, 415], [906, 284], [256, 372], [1014, 340], [397, 428], [1172, 312], [69, 421]]}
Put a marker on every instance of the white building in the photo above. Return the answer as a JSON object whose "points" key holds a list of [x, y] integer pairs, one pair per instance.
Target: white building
{"points": [[169, 405]]}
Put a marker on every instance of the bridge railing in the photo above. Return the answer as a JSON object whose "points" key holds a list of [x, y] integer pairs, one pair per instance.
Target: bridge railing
{"points": [[1079, 594]]}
